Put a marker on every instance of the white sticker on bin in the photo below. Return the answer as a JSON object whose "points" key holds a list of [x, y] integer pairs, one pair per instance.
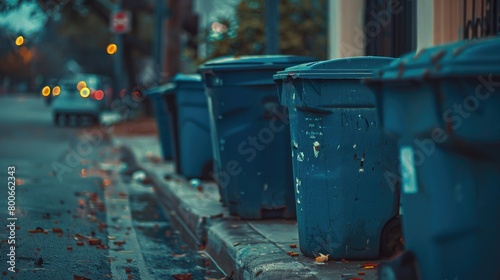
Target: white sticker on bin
{"points": [[408, 170]]}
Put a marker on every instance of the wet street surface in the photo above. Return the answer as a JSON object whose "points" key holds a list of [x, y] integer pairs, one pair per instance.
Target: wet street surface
{"points": [[77, 214]]}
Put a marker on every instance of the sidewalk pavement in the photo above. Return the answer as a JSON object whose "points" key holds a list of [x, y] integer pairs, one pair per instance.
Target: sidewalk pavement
{"points": [[266, 249]]}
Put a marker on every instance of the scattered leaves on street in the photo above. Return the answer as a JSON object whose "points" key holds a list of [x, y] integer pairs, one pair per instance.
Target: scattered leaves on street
{"points": [[293, 254], [293, 245]]}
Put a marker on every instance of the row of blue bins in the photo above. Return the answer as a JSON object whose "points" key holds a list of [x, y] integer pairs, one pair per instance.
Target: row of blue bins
{"points": [[358, 150]]}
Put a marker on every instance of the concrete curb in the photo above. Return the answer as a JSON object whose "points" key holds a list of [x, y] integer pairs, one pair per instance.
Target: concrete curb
{"points": [[250, 249]]}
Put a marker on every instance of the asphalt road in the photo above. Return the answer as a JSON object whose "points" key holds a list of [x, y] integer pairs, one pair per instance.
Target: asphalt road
{"points": [[76, 215]]}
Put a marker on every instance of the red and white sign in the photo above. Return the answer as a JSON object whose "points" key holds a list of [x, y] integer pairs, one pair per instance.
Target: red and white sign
{"points": [[120, 22]]}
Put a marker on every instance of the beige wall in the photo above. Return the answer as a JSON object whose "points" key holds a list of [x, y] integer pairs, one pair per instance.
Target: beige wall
{"points": [[345, 28], [441, 21], [448, 21], [425, 23]]}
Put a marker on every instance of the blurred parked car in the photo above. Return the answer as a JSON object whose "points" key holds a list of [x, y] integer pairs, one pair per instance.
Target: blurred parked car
{"points": [[80, 98]]}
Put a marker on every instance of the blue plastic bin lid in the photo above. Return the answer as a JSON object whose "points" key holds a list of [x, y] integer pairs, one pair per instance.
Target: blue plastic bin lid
{"points": [[188, 81], [194, 78], [341, 68], [232, 63], [160, 90], [455, 60]]}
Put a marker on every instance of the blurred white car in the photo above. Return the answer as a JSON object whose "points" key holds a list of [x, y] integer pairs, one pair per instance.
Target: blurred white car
{"points": [[79, 99]]}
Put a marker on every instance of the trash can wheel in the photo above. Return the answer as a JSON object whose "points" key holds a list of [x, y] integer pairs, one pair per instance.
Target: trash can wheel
{"points": [[391, 239]]}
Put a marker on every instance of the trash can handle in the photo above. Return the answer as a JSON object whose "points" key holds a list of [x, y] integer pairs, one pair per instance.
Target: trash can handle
{"points": [[315, 109], [211, 80]]}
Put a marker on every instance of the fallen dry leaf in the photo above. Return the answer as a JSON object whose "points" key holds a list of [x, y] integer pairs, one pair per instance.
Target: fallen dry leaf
{"points": [[39, 262], [186, 276], [80, 237], [293, 245], [37, 230], [94, 241], [57, 230], [321, 258], [293, 254], [78, 277], [369, 265], [119, 243]]}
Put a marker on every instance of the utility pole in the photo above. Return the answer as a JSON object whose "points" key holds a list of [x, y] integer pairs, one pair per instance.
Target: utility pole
{"points": [[271, 31], [121, 79], [159, 39], [173, 40]]}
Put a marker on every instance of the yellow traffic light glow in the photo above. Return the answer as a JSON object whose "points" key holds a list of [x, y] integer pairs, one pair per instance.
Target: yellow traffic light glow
{"points": [[111, 49], [46, 91], [81, 84], [85, 92], [56, 90], [19, 41]]}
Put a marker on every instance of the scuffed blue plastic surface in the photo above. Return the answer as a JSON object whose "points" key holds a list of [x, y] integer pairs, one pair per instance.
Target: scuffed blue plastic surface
{"points": [[343, 163]]}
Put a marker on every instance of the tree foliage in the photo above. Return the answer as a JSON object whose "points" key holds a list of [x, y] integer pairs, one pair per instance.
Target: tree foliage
{"points": [[302, 29]]}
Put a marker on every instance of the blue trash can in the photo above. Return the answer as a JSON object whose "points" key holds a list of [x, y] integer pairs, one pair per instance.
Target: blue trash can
{"points": [[159, 96], [342, 160], [250, 135], [195, 147], [443, 105]]}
